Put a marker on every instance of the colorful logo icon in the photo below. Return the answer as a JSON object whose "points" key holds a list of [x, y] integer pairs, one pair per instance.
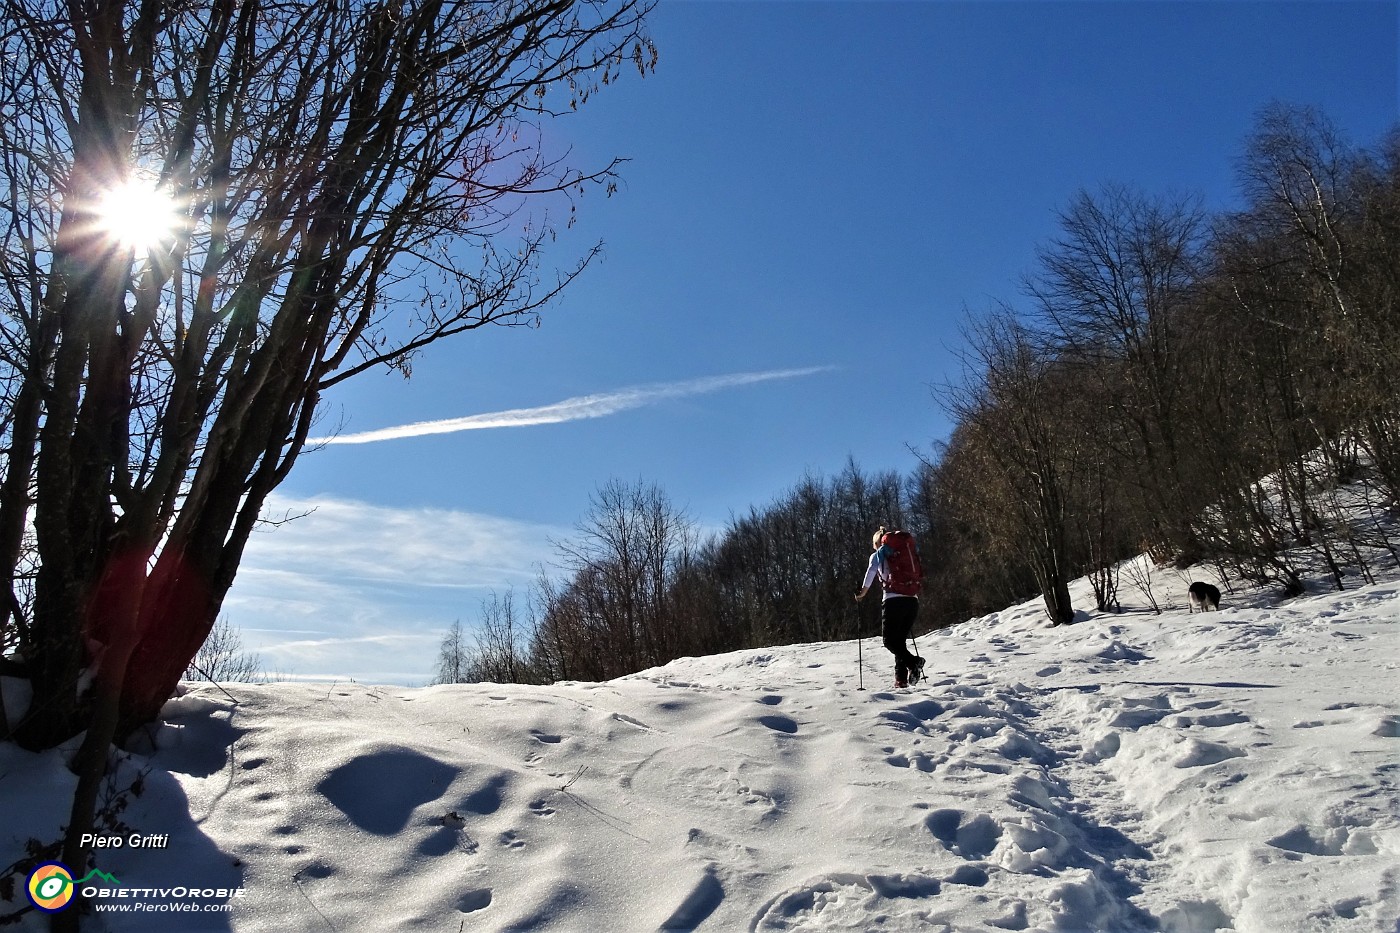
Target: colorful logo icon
{"points": [[51, 887]]}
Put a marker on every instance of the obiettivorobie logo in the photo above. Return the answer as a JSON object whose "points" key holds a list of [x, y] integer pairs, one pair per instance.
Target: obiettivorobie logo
{"points": [[51, 885]]}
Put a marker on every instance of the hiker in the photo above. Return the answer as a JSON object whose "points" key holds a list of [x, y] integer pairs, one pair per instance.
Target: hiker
{"points": [[895, 562]]}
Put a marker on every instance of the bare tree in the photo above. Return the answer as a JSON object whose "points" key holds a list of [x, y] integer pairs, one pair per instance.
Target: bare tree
{"points": [[222, 659], [501, 646], [614, 613], [453, 657], [1008, 410], [348, 180], [1109, 287], [348, 177]]}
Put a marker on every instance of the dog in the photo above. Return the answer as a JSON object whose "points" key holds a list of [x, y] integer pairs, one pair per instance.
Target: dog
{"points": [[1204, 596]]}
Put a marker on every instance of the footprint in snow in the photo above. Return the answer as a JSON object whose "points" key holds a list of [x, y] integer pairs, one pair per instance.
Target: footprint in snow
{"points": [[1117, 651], [1199, 754], [979, 708], [972, 876], [315, 870], [1198, 915], [918, 761], [473, 901], [973, 837], [1209, 721], [846, 901], [1140, 716], [1332, 841], [779, 724], [913, 717]]}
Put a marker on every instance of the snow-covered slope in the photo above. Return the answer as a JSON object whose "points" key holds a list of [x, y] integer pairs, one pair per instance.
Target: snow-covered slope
{"points": [[1232, 770]]}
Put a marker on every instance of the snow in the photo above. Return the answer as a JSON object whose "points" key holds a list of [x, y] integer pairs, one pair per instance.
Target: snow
{"points": [[1179, 772]]}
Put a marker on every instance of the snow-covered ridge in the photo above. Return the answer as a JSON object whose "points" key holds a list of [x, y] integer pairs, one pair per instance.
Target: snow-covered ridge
{"points": [[1231, 770]]}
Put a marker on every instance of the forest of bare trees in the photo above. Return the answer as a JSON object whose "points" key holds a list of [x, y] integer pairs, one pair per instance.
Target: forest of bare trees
{"points": [[641, 588], [1201, 387]]}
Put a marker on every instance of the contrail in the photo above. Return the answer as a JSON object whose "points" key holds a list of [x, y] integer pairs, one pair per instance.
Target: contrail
{"points": [[572, 409]]}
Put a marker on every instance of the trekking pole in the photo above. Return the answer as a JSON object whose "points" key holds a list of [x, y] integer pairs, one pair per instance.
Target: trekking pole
{"points": [[860, 648], [860, 660]]}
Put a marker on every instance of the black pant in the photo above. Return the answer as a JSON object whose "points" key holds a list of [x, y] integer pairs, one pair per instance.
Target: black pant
{"points": [[897, 615]]}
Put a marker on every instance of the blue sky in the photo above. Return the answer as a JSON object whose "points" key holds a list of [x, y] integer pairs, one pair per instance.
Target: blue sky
{"points": [[816, 191]]}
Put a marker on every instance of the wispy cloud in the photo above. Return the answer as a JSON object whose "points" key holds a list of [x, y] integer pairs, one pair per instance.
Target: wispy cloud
{"points": [[365, 591], [574, 409]]}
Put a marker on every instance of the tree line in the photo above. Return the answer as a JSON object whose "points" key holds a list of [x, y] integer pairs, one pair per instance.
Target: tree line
{"points": [[1203, 387], [1199, 386], [642, 586]]}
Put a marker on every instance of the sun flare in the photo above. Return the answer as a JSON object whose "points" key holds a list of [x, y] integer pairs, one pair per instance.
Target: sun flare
{"points": [[139, 215]]}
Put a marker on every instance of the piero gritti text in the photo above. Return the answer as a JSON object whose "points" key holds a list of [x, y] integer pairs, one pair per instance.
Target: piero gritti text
{"points": [[133, 841]]}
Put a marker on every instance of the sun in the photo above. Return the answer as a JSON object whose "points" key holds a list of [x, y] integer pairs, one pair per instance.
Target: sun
{"points": [[138, 215]]}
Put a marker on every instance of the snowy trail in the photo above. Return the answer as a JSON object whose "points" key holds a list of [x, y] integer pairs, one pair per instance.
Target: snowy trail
{"points": [[1133, 773]]}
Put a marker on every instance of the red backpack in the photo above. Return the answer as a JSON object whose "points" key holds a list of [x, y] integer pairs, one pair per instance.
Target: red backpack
{"points": [[903, 575]]}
